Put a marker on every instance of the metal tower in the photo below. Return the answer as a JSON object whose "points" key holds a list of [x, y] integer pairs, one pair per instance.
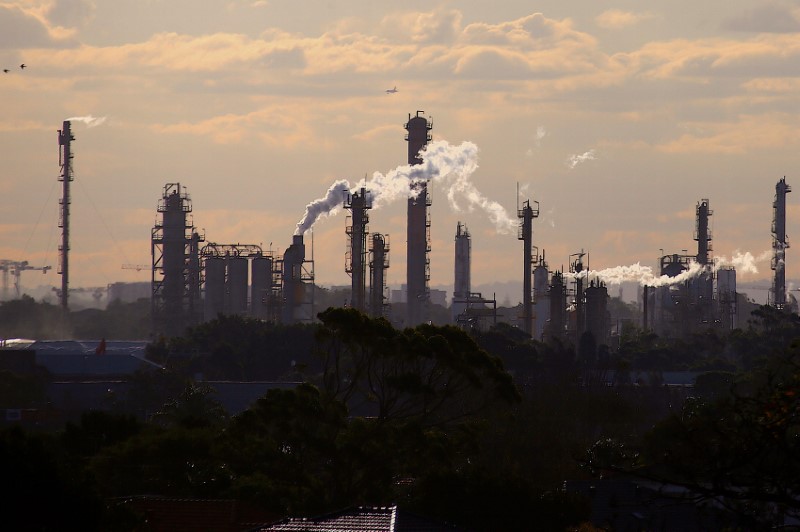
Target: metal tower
{"points": [[174, 248], [702, 287], [462, 284], [526, 215], [780, 243], [702, 234], [356, 257], [419, 226], [378, 264], [65, 139]]}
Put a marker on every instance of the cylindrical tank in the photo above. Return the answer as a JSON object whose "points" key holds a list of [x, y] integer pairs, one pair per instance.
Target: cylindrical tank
{"points": [[558, 306], [726, 298], [214, 302], [236, 286], [596, 312], [541, 310], [260, 286]]}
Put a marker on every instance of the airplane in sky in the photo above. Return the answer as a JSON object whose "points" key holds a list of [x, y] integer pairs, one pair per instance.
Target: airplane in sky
{"points": [[391, 91]]}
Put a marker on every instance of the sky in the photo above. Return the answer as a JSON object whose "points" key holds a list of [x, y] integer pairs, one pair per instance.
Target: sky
{"points": [[618, 117]]}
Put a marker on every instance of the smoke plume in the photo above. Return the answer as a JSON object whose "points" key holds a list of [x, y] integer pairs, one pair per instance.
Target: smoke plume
{"points": [[447, 166], [89, 120], [575, 160], [640, 274], [742, 262], [324, 206]]}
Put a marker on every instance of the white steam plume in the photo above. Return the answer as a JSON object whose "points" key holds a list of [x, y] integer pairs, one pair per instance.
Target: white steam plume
{"points": [[326, 205], [743, 262], [641, 274], [89, 120], [450, 167], [575, 160]]}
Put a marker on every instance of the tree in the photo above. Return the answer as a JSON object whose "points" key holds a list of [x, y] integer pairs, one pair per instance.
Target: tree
{"points": [[431, 374], [741, 448]]}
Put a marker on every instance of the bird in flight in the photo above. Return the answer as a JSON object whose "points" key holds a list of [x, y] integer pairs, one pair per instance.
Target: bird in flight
{"points": [[23, 65], [5, 71], [391, 91]]}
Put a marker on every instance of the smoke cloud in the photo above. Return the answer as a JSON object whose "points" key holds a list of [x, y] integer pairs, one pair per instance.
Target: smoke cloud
{"points": [[447, 166], [575, 160], [89, 120]]}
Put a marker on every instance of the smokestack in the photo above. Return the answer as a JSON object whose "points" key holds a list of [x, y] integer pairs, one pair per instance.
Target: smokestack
{"points": [[418, 229], [293, 286]]}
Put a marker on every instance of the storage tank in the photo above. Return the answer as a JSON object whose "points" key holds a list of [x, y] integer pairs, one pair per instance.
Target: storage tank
{"points": [[214, 302], [260, 286], [597, 311], [236, 286], [726, 298]]}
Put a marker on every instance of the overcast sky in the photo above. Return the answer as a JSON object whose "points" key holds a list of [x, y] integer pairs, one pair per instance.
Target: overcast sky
{"points": [[616, 116]]}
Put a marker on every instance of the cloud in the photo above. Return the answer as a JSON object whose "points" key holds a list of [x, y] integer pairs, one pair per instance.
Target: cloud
{"points": [[615, 19], [22, 29], [271, 125], [770, 17], [747, 134], [71, 13], [440, 26]]}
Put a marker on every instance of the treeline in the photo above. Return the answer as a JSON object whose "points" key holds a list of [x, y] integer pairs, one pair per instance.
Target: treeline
{"points": [[477, 430]]}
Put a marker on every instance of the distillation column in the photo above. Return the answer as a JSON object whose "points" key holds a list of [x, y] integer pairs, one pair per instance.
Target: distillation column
{"points": [[418, 242], [526, 215], [356, 260], [65, 139], [703, 285], [462, 284], [378, 264], [173, 245], [779, 244]]}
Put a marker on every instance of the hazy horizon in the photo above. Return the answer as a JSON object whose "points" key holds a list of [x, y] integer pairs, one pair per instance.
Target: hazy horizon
{"points": [[617, 118]]}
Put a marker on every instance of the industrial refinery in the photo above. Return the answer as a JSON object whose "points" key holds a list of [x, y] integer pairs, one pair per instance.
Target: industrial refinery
{"points": [[194, 279]]}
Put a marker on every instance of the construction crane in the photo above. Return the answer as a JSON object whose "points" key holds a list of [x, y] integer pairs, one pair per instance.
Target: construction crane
{"points": [[15, 268]]}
